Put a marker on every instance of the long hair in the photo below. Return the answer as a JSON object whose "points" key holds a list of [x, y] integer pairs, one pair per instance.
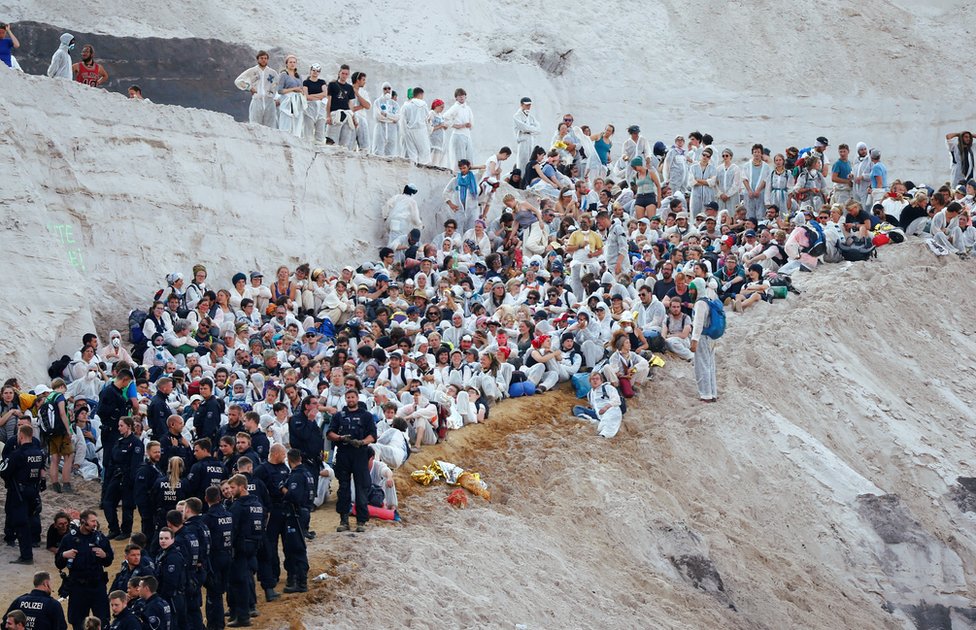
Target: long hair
{"points": [[175, 471]]}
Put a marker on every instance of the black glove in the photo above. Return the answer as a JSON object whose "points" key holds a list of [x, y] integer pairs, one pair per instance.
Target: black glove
{"points": [[356, 443]]}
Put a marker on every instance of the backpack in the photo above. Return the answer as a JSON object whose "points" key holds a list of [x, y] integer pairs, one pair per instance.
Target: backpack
{"points": [[56, 370], [856, 249], [47, 415], [716, 319], [817, 246], [623, 401], [136, 319]]}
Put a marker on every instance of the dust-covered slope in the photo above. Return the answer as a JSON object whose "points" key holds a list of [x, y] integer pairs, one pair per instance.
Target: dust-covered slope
{"points": [[821, 492], [764, 71], [103, 196]]}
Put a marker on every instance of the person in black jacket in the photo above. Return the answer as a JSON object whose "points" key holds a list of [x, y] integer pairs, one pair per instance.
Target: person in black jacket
{"points": [[171, 574], [168, 490], [147, 475], [125, 618], [113, 403], [175, 444], [352, 429], [221, 525], [274, 473], [86, 552], [206, 472], [259, 439], [43, 611], [306, 435], [157, 614], [299, 497], [197, 536], [206, 420], [134, 565], [157, 416], [127, 457], [248, 515], [23, 472]]}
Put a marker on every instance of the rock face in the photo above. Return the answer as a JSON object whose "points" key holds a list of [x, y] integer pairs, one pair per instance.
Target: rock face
{"points": [[103, 196], [192, 72]]}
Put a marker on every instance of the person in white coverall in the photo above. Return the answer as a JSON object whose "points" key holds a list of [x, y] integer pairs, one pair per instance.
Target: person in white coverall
{"points": [[60, 67], [262, 82], [386, 113], [702, 345], [364, 140], [460, 118], [402, 214], [526, 129], [416, 137], [605, 406]]}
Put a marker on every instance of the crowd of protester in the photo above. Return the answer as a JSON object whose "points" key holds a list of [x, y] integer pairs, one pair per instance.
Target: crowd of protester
{"points": [[230, 397]]}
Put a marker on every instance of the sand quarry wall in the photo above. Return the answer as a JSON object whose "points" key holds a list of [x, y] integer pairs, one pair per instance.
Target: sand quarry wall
{"points": [[884, 71], [102, 197]]}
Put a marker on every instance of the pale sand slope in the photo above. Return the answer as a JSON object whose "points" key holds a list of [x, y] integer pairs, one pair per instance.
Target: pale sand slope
{"points": [[886, 72], [820, 487], [149, 189]]}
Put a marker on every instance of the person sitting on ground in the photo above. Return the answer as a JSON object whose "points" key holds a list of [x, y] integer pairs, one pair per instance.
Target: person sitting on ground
{"points": [[57, 531], [422, 416], [625, 369], [755, 289], [604, 409], [677, 331]]}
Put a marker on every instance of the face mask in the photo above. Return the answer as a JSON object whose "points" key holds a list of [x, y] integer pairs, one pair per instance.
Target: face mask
{"points": [[71, 46], [116, 343]]}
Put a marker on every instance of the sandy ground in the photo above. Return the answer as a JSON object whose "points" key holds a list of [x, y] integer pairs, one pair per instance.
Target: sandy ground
{"points": [[821, 492]]}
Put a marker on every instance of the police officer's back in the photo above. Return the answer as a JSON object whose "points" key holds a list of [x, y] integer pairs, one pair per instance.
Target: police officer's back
{"points": [[248, 516], [43, 611], [220, 524], [299, 497], [23, 472], [206, 472]]}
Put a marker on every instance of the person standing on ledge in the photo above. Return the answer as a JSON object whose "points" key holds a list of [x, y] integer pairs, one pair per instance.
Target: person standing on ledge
{"points": [[87, 71], [60, 67], [262, 82], [8, 41]]}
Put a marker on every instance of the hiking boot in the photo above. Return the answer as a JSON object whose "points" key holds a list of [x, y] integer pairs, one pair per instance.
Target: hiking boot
{"points": [[302, 586], [293, 585], [254, 612], [360, 526], [343, 524], [270, 595], [239, 623], [22, 561], [310, 535], [67, 489], [56, 486], [113, 535], [122, 536]]}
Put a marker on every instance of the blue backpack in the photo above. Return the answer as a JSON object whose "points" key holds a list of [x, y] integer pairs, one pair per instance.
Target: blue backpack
{"points": [[716, 319]]}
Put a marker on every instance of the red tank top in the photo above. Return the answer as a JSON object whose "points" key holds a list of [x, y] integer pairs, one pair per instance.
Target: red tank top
{"points": [[88, 76]]}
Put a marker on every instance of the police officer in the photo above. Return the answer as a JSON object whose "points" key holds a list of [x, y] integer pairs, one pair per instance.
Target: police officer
{"points": [[256, 487], [113, 404], [259, 440], [159, 410], [171, 574], [127, 457], [206, 419], [195, 531], [86, 552], [248, 515], [206, 472], [43, 611], [299, 498], [149, 472], [23, 472], [175, 444], [157, 614], [305, 433], [125, 618], [168, 490], [274, 473], [352, 429], [134, 565], [221, 526]]}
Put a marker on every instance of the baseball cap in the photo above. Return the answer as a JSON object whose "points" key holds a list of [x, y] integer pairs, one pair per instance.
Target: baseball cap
{"points": [[256, 274]]}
